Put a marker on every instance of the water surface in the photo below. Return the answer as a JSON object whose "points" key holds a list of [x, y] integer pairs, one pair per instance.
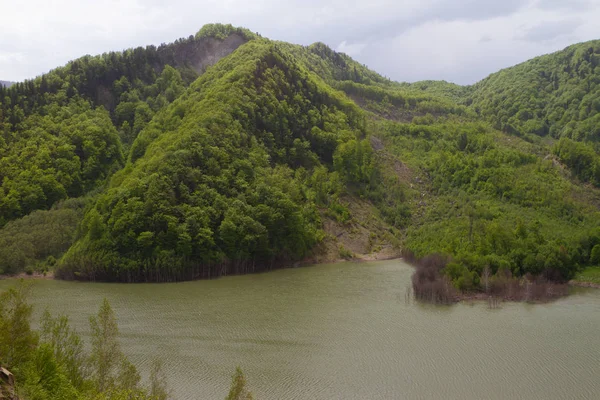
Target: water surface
{"points": [[343, 331]]}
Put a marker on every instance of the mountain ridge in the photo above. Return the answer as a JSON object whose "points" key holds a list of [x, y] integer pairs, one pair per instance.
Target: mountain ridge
{"points": [[324, 158]]}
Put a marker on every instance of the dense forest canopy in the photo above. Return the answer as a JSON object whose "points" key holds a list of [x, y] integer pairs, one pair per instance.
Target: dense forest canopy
{"points": [[226, 152]]}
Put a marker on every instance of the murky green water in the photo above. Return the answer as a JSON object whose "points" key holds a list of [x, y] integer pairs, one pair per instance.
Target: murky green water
{"points": [[344, 331]]}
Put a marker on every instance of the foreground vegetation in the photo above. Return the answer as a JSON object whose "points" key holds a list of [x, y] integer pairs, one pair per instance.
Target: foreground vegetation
{"points": [[53, 364]]}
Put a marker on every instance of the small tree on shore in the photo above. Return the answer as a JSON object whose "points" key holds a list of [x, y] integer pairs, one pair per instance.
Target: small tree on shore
{"points": [[106, 352], [485, 278], [17, 340]]}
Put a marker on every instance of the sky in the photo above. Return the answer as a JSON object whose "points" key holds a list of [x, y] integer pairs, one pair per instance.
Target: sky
{"points": [[459, 41]]}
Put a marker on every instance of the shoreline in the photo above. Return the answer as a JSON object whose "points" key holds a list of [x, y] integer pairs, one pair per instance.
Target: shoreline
{"points": [[584, 284], [358, 258], [34, 276]]}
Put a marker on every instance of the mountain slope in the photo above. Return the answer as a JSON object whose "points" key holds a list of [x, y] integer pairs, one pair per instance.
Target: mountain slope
{"points": [[220, 182], [279, 154], [556, 94], [66, 131]]}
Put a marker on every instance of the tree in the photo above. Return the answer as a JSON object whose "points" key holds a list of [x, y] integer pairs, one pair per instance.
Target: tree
{"points": [[485, 277], [17, 340], [158, 381], [354, 161], [238, 390], [595, 255], [128, 377], [106, 352], [66, 345]]}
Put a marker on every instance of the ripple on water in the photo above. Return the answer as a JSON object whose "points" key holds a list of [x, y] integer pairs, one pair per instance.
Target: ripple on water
{"points": [[344, 331]]}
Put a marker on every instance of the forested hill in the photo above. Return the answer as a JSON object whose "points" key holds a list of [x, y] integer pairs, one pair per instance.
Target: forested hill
{"points": [[67, 131], [556, 94], [230, 153], [6, 83]]}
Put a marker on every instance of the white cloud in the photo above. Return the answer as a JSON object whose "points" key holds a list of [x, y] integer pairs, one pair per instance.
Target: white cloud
{"points": [[465, 51], [456, 40], [352, 49]]}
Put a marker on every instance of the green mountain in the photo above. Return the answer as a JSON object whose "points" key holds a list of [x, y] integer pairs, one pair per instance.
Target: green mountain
{"points": [[230, 153], [556, 95]]}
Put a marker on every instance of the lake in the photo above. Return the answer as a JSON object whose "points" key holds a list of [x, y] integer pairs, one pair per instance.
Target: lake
{"points": [[343, 331]]}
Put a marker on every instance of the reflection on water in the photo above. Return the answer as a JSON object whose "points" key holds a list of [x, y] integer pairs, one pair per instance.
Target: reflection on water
{"points": [[344, 331]]}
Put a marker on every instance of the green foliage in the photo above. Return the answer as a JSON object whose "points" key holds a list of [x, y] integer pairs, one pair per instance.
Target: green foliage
{"points": [[56, 367], [17, 340], [461, 277], [222, 31], [354, 161], [63, 134], [34, 242], [491, 201], [332, 66], [581, 158], [158, 382], [44, 379], [67, 347], [66, 152], [590, 274], [595, 255], [106, 352], [345, 253], [231, 172], [556, 94], [228, 187]]}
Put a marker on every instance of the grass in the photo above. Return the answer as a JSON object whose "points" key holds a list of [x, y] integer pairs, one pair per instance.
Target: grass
{"points": [[591, 275]]}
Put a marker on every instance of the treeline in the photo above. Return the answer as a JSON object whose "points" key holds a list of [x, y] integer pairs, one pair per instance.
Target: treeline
{"points": [[332, 66], [233, 172], [386, 100], [103, 79]]}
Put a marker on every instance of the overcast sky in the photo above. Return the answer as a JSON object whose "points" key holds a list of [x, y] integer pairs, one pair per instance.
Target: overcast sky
{"points": [[460, 41]]}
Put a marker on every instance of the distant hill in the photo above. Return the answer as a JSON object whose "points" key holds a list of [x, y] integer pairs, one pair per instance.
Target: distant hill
{"points": [[226, 153], [6, 83], [556, 94]]}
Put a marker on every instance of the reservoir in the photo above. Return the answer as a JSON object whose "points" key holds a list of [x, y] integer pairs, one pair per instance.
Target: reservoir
{"points": [[342, 331]]}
